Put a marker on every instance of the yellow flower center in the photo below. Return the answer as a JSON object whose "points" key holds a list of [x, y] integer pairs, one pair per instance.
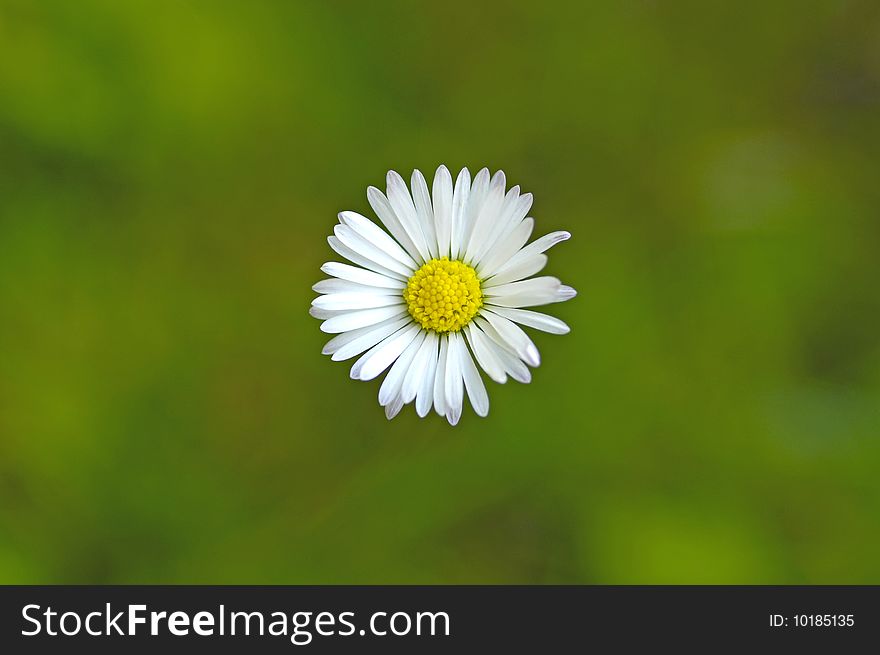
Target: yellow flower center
{"points": [[443, 295]]}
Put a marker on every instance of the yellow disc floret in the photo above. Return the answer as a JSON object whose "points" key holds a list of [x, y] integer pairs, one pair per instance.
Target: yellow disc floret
{"points": [[443, 295]]}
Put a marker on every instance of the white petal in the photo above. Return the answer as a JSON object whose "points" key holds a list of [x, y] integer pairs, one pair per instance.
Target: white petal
{"points": [[537, 246], [424, 210], [566, 293], [476, 390], [440, 404], [506, 248], [544, 243], [348, 344], [389, 219], [442, 192], [487, 217], [460, 196], [416, 370], [393, 408], [361, 276], [383, 354], [393, 382], [401, 202], [354, 320], [528, 293], [359, 259], [425, 395], [323, 314], [377, 236], [453, 382], [514, 338], [479, 191], [535, 320], [335, 285], [517, 270], [349, 237], [513, 211], [485, 355], [356, 301], [513, 365]]}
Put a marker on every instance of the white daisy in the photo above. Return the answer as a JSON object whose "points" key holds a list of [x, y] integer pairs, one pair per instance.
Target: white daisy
{"points": [[446, 287]]}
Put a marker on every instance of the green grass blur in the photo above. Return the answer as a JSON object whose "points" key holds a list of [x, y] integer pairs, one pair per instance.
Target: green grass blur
{"points": [[169, 172]]}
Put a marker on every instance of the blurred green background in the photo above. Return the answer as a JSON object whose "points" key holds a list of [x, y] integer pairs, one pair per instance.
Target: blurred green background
{"points": [[169, 172]]}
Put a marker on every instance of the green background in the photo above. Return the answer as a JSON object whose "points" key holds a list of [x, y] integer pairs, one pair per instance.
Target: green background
{"points": [[169, 172]]}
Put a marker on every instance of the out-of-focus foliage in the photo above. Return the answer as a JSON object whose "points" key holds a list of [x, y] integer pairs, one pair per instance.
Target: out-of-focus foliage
{"points": [[169, 172]]}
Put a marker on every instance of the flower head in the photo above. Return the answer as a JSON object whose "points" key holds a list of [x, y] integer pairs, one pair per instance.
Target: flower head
{"points": [[446, 287]]}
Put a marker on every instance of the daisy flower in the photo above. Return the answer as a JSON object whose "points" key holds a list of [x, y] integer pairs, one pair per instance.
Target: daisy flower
{"points": [[444, 286]]}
